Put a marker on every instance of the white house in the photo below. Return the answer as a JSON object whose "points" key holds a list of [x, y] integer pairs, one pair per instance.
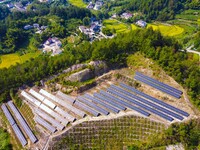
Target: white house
{"points": [[141, 23]]}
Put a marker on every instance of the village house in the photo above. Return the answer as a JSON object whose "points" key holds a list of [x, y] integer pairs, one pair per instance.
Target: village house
{"points": [[141, 23], [126, 15], [52, 45]]}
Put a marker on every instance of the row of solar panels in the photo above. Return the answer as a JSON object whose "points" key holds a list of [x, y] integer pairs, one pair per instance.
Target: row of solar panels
{"points": [[52, 118], [158, 85], [22, 122], [120, 98]]}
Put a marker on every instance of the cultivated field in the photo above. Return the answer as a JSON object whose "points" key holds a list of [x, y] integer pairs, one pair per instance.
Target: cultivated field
{"points": [[107, 134], [78, 3], [11, 59], [114, 24], [167, 30]]}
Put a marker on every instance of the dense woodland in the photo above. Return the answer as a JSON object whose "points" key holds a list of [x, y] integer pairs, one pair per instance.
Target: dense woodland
{"points": [[161, 10]]}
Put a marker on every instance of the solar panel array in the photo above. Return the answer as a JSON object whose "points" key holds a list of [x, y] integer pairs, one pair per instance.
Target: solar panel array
{"points": [[170, 107], [93, 105], [86, 108], [156, 86], [160, 83], [54, 114], [22, 122], [45, 124], [159, 87], [98, 101], [14, 126], [110, 101], [36, 94], [144, 101], [143, 106], [19, 135], [30, 98], [65, 97], [124, 103], [50, 119], [65, 114], [8, 114]]}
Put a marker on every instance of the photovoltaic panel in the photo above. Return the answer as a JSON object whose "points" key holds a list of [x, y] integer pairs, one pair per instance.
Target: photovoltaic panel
{"points": [[65, 97], [140, 104], [36, 95], [132, 89], [159, 83], [93, 105], [30, 98], [22, 122], [110, 101], [51, 120], [64, 103], [8, 114], [54, 114], [147, 102], [65, 114], [98, 101], [157, 87], [49, 103], [45, 124], [86, 108], [145, 113], [19, 135]]}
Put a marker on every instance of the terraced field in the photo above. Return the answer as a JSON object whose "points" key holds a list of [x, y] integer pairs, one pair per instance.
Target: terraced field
{"points": [[107, 134], [167, 30], [114, 24], [11, 59], [78, 3]]}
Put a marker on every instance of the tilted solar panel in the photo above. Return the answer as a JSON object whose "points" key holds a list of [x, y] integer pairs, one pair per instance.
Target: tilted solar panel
{"points": [[160, 83], [86, 108], [132, 89], [19, 135], [140, 104], [45, 124], [22, 122], [93, 105], [157, 87], [8, 114], [147, 102], [98, 101]]}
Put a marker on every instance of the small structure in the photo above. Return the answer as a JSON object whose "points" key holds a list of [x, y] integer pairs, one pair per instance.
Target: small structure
{"points": [[36, 25], [94, 27], [98, 5], [10, 5], [91, 5], [27, 27], [141, 23], [126, 15], [114, 16], [52, 45]]}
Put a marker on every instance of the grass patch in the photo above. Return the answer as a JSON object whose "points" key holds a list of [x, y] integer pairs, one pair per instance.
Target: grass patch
{"points": [[78, 3], [167, 30], [115, 24], [12, 59], [134, 27]]}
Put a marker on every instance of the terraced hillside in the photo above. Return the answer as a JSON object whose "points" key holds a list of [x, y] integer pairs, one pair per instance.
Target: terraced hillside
{"points": [[107, 134]]}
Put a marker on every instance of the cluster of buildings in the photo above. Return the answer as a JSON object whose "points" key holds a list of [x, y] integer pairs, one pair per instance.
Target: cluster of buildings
{"points": [[18, 6], [126, 15], [92, 31], [52, 45], [36, 26], [96, 6]]}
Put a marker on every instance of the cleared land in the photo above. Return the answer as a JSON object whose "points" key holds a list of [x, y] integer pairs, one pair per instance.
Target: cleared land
{"points": [[11, 59], [114, 24], [167, 30], [78, 3]]}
